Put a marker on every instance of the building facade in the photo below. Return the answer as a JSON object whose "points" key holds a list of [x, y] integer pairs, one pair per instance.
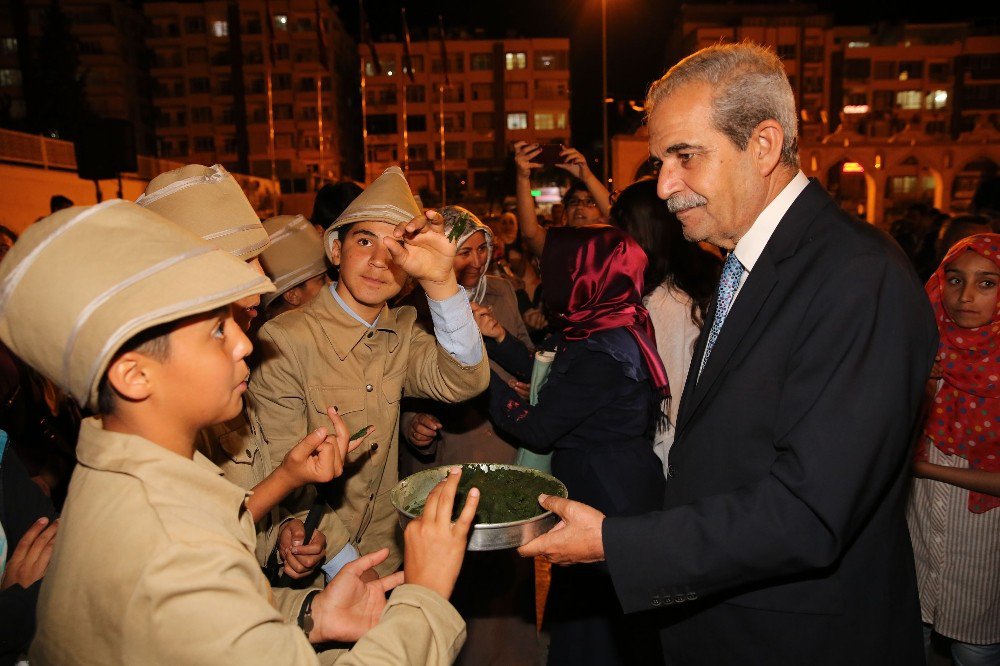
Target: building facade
{"points": [[497, 92], [105, 38], [228, 75], [890, 114]]}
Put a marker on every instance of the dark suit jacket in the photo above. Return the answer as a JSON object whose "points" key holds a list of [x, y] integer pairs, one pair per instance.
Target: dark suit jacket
{"points": [[782, 539]]}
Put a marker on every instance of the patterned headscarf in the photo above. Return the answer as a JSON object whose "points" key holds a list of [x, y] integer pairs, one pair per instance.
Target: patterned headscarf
{"points": [[460, 224], [965, 417]]}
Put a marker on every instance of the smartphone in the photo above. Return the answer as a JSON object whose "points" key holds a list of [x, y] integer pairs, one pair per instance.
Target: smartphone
{"points": [[550, 155]]}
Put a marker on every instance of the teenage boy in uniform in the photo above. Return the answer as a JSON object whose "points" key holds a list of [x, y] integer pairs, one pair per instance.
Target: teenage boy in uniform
{"points": [[347, 348], [155, 557], [208, 202], [295, 262]]}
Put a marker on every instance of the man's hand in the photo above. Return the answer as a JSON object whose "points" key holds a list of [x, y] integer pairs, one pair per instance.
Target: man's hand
{"points": [[434, 546], [488, 324], [576, 539], [522, 389], [31, 557], [319, 457], [422, 250], [422, 430], [524, 152], [349, 606], [300, 559]]}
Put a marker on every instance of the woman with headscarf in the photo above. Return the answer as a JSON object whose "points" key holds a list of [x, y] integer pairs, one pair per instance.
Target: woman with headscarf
{"points": [[596, 413], [954, 507], [494, 591]]}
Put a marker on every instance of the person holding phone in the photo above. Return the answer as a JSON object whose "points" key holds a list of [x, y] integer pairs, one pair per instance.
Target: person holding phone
{"points": [[587, 200]]}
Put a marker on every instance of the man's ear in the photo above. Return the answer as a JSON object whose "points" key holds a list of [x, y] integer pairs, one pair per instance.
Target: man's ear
{"points": [[293, 297], [335, 248], [766, 143], [131, 376]]}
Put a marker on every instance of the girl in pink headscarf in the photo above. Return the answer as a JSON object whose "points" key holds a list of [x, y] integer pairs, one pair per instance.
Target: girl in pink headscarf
{"points": [[954, 509]]}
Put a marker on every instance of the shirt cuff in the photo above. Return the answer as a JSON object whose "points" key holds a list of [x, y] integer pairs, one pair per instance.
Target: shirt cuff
{"points": [[455, 328], [346, 555]]}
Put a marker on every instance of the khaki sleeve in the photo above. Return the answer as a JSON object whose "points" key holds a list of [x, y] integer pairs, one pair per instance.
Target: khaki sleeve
{"points": [[278, 405], [433, 373], [417, 627], [206, 603]]}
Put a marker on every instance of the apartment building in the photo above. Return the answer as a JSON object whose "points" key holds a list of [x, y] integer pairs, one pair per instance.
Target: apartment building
{"points": [[497, 92], [890, 114], [212, 62], [107, 38]]}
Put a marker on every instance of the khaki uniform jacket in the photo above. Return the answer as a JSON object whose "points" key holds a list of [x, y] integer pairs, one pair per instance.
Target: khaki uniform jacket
{"points": [[236, 448], [318, 356], [154, 564]]}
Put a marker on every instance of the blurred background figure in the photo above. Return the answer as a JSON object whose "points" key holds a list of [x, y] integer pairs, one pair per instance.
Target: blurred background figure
{"points": [[58, 202], [678, 285], [330, 202]]}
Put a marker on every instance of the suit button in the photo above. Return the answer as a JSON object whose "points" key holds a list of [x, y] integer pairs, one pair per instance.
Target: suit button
{"points": [[679, 599], [691, 596], [667, 601], [656, 602], [369, 388], [374, 446]]}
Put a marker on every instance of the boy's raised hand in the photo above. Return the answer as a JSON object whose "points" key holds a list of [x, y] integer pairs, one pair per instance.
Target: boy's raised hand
{"points": [[434, 546], [319, 456], [421, 248], [348, 606]]}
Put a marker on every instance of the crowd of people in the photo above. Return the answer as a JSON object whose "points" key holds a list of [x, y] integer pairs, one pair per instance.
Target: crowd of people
{"points": [[779, 442]]}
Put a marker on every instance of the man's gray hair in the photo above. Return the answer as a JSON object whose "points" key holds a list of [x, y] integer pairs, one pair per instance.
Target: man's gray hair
{"points": [[749, 86]]}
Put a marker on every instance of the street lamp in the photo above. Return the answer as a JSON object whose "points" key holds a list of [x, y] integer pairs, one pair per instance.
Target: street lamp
{"points": [[604, 86]]}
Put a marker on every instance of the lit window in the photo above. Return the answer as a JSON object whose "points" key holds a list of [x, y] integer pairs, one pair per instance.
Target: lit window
{"points": [[936, 99], [281, 22], [220, 28], [10, 77], [550, 121], [515, 60], [517, 121], [858, 45], [909, 99]]}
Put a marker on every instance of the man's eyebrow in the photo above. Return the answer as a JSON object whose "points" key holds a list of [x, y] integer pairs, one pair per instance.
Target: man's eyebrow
{"points": [[679, 147], [364, 232]]}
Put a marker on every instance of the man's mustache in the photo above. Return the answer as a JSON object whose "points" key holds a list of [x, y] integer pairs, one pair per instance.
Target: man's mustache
{"points": [[678, 202]]}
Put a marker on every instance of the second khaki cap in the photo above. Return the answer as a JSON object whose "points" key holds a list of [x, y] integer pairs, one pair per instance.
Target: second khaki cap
{"points": [[210, 203], [294, 255], [83, 281]]}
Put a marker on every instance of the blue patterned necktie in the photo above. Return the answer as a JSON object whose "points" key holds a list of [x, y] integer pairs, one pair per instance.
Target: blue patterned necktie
{"points": [[732, 271]]}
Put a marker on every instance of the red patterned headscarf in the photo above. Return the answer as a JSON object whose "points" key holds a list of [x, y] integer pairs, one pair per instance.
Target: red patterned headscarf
{"points": [[592, 281], [965, 417]]}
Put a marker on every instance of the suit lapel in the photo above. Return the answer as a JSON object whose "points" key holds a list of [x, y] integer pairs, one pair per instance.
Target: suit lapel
{"points": [[744, 313]]}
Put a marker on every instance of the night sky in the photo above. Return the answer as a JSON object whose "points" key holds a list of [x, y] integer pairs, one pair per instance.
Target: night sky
{"points": [[637, 37]]}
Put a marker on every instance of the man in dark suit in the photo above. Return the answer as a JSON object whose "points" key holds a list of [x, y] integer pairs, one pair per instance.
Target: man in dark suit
{"points": [[782, 538]]}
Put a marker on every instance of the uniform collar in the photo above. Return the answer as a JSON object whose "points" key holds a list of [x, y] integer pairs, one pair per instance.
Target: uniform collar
{"points": [[344, 329], [169, 478]]}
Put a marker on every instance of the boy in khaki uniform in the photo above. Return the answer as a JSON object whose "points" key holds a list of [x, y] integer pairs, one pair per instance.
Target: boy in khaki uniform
{"points": [[347, 348], [155, 557], [294, 261], [208, 202]]}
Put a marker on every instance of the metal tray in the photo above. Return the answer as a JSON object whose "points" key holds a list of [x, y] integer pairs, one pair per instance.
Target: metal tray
{"points": [[484, 536]]}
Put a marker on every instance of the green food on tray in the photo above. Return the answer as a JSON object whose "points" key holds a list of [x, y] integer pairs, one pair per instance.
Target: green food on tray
{"points": [[505, 495]]}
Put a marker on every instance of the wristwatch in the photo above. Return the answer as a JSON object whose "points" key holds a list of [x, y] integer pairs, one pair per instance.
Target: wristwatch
{"points": [[305, 613]]}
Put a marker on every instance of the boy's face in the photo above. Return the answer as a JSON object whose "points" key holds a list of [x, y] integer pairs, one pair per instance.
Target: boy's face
{"points": [[368, 275], [203, 379]]}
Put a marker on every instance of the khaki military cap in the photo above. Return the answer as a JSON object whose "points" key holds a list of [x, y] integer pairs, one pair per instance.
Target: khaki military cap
{"points": [[83, 281], [388, 199], [210, 203], [294, 255]]}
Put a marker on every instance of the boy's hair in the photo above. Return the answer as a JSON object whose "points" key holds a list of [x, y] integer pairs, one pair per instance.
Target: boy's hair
{"points": [[153, 342]]}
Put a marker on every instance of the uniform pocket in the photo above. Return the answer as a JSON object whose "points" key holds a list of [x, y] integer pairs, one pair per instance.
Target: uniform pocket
{"points": [[346, 399]]}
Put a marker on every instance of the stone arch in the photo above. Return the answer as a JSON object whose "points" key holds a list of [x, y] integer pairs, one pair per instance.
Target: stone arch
{"points": [[854, 192]]}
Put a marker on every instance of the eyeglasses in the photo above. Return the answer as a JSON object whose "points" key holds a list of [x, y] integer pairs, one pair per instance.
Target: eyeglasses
{"points": [[587, 203]]}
